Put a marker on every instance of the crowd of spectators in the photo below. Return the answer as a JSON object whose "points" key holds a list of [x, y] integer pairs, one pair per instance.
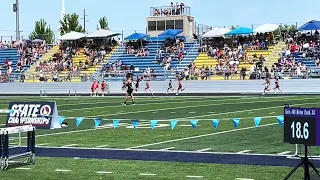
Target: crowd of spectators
{"points": [[28, 53], [94, 51], [175, 9], [170, 50], [299, 47]]}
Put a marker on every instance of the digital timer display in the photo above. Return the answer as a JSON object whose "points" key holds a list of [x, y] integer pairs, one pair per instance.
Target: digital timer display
{"points": [[300, 126]]}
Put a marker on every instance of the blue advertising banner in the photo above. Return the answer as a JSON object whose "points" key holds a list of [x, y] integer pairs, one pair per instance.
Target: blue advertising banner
{"points": [[40, 114]]}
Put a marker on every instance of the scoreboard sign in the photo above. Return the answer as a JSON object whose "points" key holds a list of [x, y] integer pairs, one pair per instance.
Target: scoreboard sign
{"points": [[39, 114], [302, 126]]}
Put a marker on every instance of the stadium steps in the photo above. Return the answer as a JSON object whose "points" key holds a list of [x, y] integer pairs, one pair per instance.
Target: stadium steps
{"points": [[45, 57], [275, 55]]}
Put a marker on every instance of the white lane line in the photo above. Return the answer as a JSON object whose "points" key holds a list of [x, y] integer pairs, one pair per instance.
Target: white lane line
{"points": [[147, 174], [43, 144], [94, 129], [172, 112], [244, 151], [192, 112], [203, 150], [173, 151], [70, 145], [103, 172], [23, 168], [62, 170], [76, 158], [194, 176], [272, 113], [313, 157], [248, 110], [2, 124], [144, 104], [285, 152], [174, 108], [243, 179], [102, 146], [166, 149], [199, 136]]}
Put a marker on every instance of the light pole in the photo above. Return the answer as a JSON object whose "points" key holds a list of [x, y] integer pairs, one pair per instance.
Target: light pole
{"points": [[16, 10]]}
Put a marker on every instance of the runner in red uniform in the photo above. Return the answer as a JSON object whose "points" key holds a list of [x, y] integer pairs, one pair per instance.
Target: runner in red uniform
{"points": [[276, 82], [92, 87], [96, 88], [103, 88], [180, 87], [148, 87]]}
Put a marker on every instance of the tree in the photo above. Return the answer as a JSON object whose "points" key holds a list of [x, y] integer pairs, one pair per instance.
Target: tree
{"points": [[42, 31], [285, 28], [70, 23], [103, 23]]}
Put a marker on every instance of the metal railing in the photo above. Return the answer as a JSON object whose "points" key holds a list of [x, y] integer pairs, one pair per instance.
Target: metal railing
{"points": [[170, 11], [120, 75], [187, 55]]}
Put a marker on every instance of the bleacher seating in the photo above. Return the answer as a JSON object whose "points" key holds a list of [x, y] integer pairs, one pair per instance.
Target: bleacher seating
{"points": [[154, 43], [12, 55]]}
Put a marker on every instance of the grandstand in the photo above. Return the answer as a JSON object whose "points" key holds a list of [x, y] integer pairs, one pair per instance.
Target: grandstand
{"points": [[141, 63], [11, 55]]}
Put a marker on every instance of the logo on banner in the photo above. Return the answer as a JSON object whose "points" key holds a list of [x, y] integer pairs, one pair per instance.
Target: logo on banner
{"points": [[38, 114], [45, 110]]}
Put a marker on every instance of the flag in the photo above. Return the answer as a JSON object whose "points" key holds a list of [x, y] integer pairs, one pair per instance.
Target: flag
{"points": [[61, 119], [153, 123], [173, 123], [97, 122], [194, 123], [116, 123], [78, 121], [215, 123], [236, 122], [135, 123], [280, 120], [257, 121]]}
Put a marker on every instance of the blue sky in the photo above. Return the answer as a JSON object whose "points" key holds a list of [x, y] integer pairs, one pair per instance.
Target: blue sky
{"points": [[128, 16]]}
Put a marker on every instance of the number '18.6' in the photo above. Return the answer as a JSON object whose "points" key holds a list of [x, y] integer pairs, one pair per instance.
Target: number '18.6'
{"points": [[300, 131]]}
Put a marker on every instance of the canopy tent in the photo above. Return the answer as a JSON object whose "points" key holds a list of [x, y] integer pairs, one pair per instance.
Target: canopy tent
{"points": [[72, 36], [309, 26], [171, 33], [136, 36], [216, 32], [240, 31], [102, 33], [265, 28]]}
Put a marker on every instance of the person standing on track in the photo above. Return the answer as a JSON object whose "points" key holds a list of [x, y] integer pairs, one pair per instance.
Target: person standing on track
{"points": [[129, 86], [104, 85], [93, 85], [96, 88]]}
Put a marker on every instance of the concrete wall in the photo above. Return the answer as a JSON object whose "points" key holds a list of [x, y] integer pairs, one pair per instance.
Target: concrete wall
{"points": [[304, 86]]}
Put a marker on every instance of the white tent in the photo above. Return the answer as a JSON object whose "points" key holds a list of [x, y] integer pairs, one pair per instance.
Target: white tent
{"points": [[102, 33], [216, 32], [266, 28], [72, 36]]}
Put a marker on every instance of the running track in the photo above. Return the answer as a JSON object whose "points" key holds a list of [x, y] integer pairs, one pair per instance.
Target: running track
{"points": [[145, 155]]}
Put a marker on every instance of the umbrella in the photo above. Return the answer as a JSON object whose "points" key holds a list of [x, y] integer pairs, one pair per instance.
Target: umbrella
{"points": [[37, 41], [20, 42]]}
